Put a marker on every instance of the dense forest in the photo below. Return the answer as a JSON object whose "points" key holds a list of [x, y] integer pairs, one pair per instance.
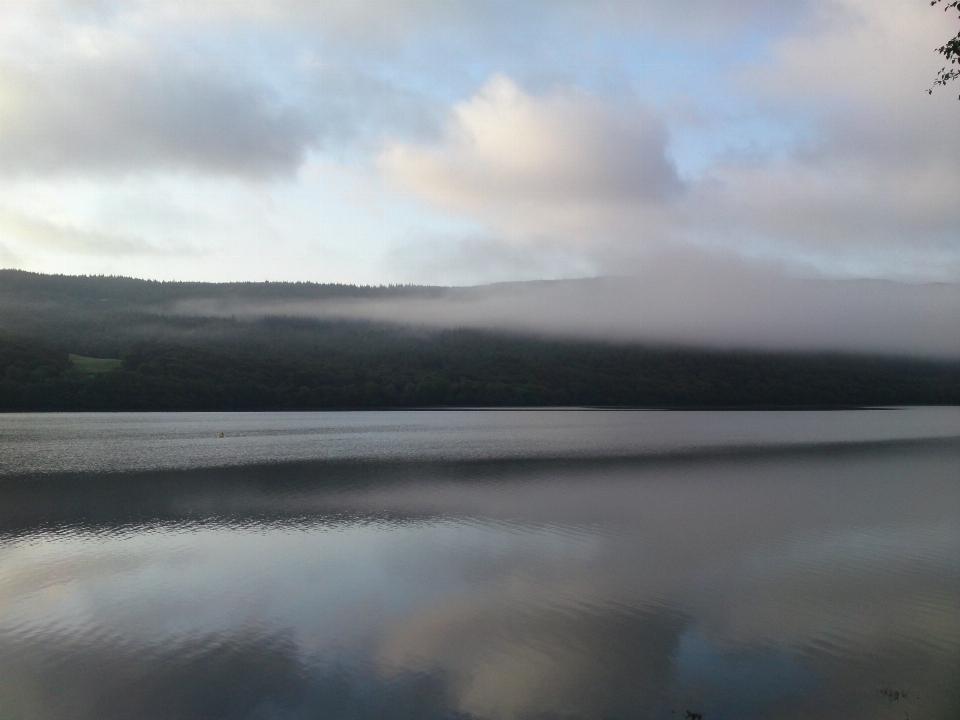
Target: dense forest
{"points": [[52, 327]]}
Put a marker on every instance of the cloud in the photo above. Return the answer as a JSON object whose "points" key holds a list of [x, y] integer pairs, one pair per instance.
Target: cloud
{"points": [[562, 162], [870, 187], [70, 238], [387, 25], [90, 88], [863, 185], [147, 87], [537, 138], [117, 115]]}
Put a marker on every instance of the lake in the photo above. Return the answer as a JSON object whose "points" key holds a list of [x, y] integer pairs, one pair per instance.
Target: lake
{"points": [[526, 564]]}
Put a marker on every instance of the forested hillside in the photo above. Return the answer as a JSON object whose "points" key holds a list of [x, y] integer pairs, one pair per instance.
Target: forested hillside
{"points": [[201, 363]]}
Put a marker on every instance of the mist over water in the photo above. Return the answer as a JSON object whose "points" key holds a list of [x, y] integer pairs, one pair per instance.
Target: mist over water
{"points": [[402, 572]]}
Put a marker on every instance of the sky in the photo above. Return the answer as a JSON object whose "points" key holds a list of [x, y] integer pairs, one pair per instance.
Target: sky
{"points": [[461, 142]]}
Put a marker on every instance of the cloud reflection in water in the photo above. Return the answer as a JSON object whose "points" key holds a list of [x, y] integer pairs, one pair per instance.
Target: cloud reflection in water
{"points": [[757, 585]]}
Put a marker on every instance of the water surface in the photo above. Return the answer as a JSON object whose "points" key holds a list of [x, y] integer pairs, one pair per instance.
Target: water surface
{"points": [[502, 564]]}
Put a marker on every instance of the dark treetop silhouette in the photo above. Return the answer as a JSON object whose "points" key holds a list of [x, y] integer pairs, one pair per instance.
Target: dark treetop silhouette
{"points": [[950, 51]]}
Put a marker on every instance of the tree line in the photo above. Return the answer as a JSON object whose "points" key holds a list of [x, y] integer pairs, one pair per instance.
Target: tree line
{"points": [[454, 368], [206, 363]]}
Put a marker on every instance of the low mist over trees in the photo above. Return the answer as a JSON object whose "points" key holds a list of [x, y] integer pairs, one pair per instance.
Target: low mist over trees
{"points": [[205, 363]]}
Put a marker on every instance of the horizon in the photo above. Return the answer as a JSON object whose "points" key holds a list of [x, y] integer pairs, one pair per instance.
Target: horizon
{"points": [[612, 276]]}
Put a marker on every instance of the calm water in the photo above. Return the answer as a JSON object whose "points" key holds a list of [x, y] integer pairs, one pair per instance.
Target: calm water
{"points": [[527, 564]]}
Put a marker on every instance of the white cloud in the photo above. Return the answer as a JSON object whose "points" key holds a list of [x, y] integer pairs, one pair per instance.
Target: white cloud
{"points": [[525, 127], [869, 190], [876, 181], [564, 164]]}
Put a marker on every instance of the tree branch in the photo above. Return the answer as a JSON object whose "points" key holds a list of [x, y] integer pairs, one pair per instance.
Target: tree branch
{"points": [[950, 51]]}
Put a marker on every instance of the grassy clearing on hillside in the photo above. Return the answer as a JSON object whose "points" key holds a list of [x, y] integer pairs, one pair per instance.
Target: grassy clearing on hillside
{"points": [[90, 365]]}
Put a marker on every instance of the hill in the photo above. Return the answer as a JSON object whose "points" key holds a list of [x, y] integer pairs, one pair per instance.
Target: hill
{"points": [[169, 361]]}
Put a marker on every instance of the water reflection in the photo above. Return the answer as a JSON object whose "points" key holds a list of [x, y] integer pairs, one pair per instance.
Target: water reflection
{"points": [[761, 584]]}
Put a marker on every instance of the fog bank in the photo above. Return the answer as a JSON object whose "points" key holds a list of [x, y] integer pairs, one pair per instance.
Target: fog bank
{"points": [[703, 302]]}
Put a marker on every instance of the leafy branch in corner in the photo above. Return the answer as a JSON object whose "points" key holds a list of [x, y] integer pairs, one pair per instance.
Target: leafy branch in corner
{"points": [[950, 51]]}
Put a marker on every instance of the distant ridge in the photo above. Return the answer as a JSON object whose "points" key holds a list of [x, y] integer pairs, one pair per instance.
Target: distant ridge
{"points": [[38, 287], [147, 345]]}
